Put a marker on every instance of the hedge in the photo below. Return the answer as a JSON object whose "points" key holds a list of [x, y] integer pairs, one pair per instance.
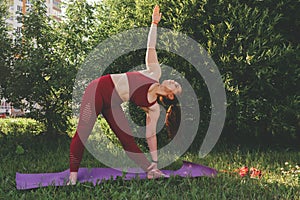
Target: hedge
{"points": [[21, 126]]}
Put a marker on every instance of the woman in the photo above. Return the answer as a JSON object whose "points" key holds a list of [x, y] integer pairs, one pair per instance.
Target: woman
{"points": [[105, 94]]}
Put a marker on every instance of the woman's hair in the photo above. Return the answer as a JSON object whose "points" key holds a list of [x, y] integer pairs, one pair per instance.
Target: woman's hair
{"points": [[173, 115]]}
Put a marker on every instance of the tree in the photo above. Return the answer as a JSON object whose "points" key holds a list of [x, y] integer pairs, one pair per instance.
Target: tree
{"points": [[255, 60], [39, 73], [245, 40], [248, 40], [5, 48]]}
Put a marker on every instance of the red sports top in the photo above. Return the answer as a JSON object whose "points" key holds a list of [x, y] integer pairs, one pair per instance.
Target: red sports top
{"points": [[139, 85]]}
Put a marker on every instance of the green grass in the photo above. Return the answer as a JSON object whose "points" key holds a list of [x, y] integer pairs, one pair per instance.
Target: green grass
{"points": [[39, 154]]}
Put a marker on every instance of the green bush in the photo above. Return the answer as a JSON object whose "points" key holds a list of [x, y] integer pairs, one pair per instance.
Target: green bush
{"points": [[257, 59], [254, 44], [21, 126], [256, 55]]}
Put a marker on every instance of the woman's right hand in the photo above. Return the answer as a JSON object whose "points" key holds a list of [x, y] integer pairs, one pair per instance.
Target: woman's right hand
{"points": [[154, 172], [72, 178], [156, 16]]}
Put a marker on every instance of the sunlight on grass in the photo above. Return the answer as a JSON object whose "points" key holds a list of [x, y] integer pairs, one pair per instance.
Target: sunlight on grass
{"points": [[274, 170], [289, 174]]}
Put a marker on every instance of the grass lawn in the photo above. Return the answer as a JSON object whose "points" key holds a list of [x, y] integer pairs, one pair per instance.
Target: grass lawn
{"points": [[38, 154]]}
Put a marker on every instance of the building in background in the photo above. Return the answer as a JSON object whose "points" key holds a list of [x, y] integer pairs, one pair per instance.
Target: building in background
{"points": [[53, 9], [5, 108]]}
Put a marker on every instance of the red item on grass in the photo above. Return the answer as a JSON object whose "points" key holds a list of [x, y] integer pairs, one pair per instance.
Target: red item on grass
{"points": [[255, 173], [243, 171]]}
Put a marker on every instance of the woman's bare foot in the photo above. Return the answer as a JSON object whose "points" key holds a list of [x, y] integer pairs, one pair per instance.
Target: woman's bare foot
{"points": [[72, 178]]}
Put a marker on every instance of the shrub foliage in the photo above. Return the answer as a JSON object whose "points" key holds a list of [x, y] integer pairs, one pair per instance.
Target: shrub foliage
{"points": [[253, 43], [21, 126]]}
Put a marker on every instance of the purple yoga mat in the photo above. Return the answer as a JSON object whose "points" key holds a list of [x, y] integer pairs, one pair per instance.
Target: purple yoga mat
{"points": [[95, 175]]}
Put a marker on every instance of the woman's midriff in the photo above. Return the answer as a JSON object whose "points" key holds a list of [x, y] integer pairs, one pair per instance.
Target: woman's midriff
{"points": [[121, 85]]}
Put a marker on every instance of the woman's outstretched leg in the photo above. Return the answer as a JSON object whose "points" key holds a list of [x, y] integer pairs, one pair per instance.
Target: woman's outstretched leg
{"points": [[87, 119]]}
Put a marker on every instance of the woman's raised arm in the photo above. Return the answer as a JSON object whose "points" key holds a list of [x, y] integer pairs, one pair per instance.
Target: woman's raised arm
{"points": [[151, 55]]}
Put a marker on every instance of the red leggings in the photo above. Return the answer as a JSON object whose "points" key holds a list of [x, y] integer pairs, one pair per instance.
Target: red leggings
{"points": [[100, 97]]}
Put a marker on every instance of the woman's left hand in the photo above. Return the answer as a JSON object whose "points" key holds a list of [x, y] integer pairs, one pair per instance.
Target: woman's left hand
{"points": [[156, 16]]}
